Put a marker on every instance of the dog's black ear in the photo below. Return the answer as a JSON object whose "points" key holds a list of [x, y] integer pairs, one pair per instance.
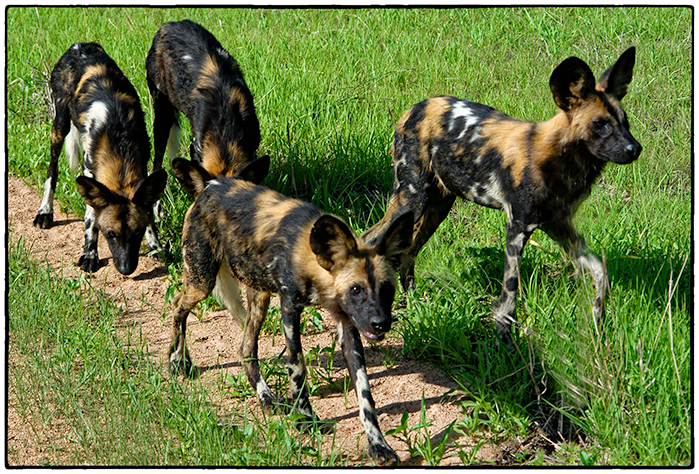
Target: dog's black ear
{"points": [[191, 175], [96, 195], [615, 80], [397, 239], [256, 171], [150, 189], [571, 83], [332, 241]]}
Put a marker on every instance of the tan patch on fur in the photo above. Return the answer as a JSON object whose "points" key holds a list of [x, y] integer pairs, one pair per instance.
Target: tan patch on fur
{"points": [[95, 70], [509, 139], [234, 95], [211, 159], [127, 98], [111, 171], [209, 70], [273, 208]]}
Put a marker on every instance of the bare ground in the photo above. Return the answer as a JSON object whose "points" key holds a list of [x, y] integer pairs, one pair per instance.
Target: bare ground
{"points": [[397, 387]]}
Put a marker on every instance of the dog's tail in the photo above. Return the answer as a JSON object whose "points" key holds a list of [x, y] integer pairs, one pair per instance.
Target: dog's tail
{"points": [[228, 293], [73, 149]]}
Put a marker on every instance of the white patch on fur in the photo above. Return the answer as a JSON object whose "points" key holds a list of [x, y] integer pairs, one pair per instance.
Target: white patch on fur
{"points": [[95, 117], [173, 142], [228, 293], [47, 200], [222, 52], [73, 149], [459, 110], [187, 57]]}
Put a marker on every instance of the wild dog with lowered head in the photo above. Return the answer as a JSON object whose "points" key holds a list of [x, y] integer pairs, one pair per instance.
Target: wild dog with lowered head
{"points": [[538, 173], [189, 71], [237, 231], [98, 110]]}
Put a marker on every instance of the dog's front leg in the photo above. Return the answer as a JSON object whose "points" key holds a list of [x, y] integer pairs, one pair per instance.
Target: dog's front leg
{"points": [[291, 320], [565, 233], [506, 312], [353, 352], [89, 261]]}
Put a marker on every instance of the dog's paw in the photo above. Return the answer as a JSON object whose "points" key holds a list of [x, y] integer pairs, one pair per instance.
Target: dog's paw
{"points": [[43, 221], [89, 263], [383, 455]]}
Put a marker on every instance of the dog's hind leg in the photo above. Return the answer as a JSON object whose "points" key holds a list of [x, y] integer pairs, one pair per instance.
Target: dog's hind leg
{"points": [[198, 282], [353, 351], [517, 235], [258, 304], [435, 212]]}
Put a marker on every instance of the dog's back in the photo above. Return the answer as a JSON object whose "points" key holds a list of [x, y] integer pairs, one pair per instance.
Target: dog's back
{"points": [[107, 108], [188, 69]]}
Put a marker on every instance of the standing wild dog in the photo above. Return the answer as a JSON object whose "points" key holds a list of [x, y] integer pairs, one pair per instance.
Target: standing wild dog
{"points": [[97, 109], [538, 173], [237, 231], [189, 71]]}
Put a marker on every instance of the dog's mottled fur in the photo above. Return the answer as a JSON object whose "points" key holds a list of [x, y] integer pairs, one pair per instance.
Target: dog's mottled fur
{"points": [[538, 173], [237, 231], [188, 71], [98, 111]]}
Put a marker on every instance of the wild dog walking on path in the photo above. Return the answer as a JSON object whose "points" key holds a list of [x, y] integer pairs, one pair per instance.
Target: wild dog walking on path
{"points": [[189, 71], [97, 109], [538, 173], [237, 231]]}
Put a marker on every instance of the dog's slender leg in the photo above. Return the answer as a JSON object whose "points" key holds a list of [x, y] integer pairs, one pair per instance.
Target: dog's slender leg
{"points": [[291, 320], [89, 260], [353, 352], [436, 211], [258, 304], [59, 130], [574, 244], [164, 122], [506, 312], [190, 296], [152, 239]]}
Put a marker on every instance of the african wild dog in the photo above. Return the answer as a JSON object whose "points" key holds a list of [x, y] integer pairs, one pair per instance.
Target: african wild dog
{"points": [[189, 71], [237, 231], [538, 173], [98, 111]]}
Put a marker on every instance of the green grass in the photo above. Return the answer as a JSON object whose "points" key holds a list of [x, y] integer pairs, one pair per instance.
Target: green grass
{"points": [[328, 87], [114, 405]]}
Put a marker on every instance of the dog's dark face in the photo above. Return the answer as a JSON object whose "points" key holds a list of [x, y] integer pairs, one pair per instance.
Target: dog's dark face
{"points": [[123, 220], [594, 110], [364, 277]]}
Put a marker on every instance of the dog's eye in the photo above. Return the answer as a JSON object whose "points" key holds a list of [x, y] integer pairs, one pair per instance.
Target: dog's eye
{"points": [[600, 122], [110, 234], [356, 289]]}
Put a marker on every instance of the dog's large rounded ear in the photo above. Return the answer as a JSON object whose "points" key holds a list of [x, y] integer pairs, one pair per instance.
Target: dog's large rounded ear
{"points": [[96, 195], [191, 175], [255, 171], [332, 241], [571, 83], [150, 189], [397, 239], [615, 80]]}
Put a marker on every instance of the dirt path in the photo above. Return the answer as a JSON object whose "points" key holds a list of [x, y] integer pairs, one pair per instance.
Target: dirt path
{"points": [[214, 343]]}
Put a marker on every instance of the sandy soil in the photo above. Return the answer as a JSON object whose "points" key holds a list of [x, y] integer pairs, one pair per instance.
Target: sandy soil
{"points": [[214, 343]]}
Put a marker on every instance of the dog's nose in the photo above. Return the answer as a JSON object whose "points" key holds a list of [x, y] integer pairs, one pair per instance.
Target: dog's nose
{"points": [[634, 149], [381, 326]]}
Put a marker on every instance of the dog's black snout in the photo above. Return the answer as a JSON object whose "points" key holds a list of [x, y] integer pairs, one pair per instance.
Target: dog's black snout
{"points": [[634, 149], [381, 326]]}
